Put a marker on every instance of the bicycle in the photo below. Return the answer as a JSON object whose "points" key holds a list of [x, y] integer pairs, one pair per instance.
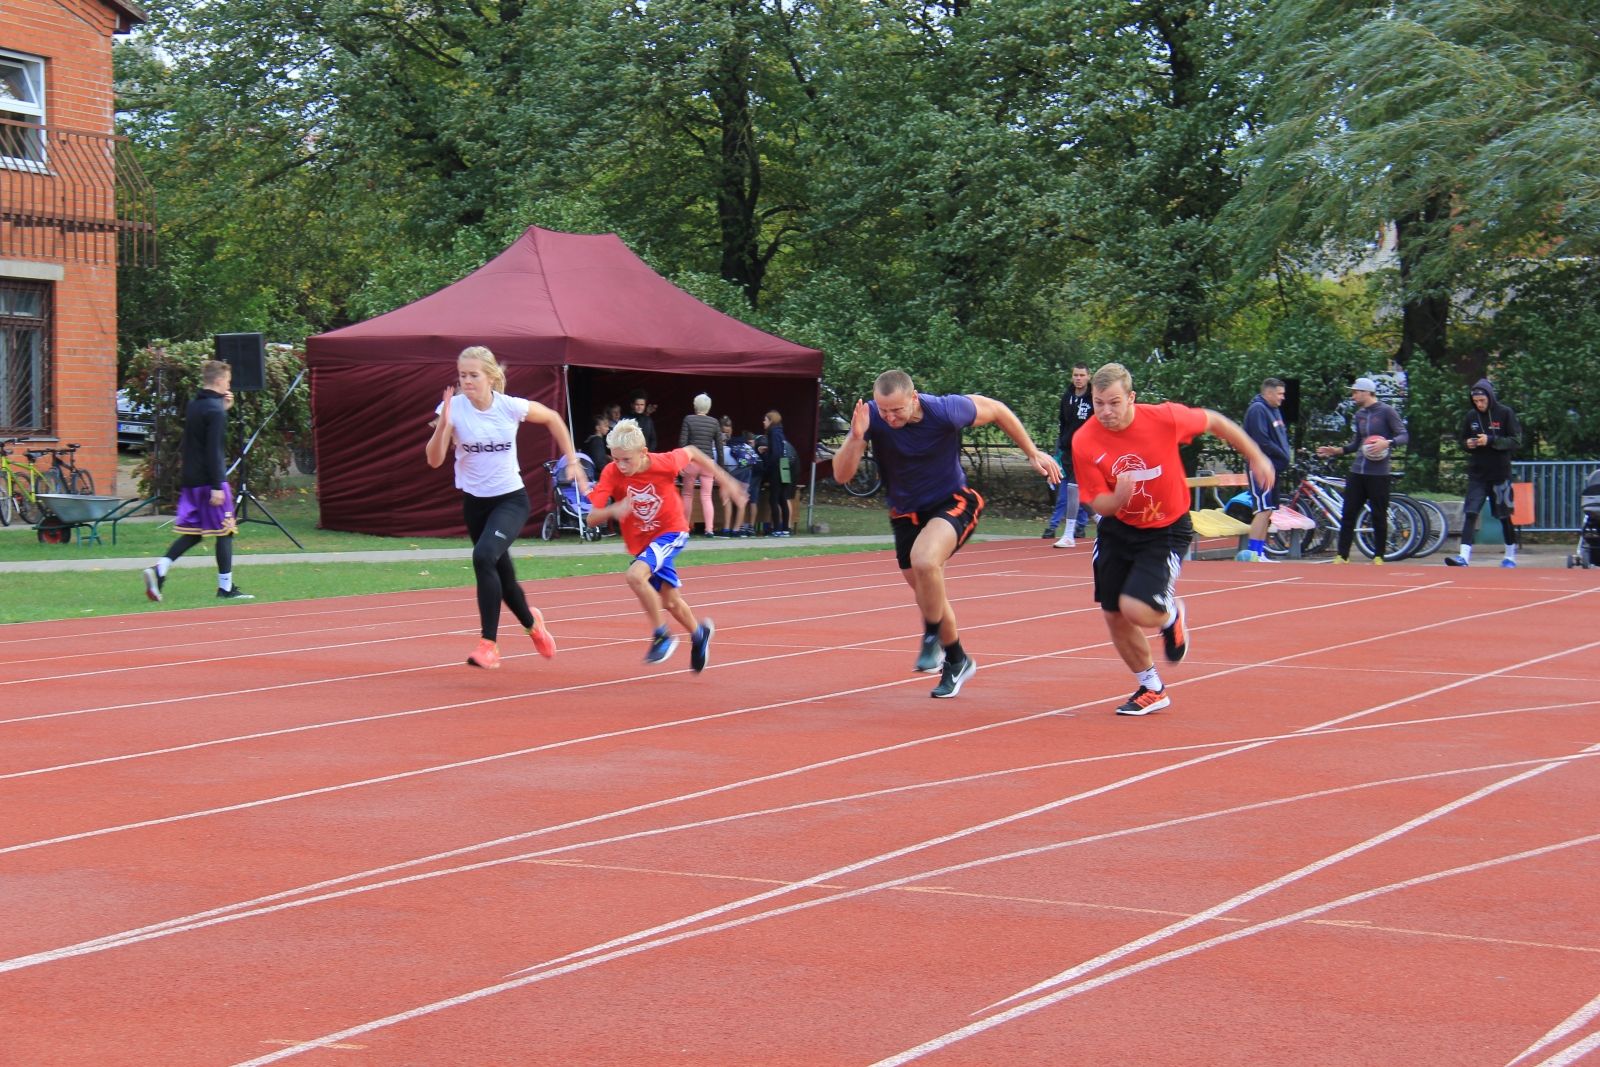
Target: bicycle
{"points": [[64, 476], [867, 479], [1320, 497], [23, 484]]}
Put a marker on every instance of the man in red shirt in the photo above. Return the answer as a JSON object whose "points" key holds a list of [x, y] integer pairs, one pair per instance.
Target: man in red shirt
{"points": [[1131, 475], [637, 489]]}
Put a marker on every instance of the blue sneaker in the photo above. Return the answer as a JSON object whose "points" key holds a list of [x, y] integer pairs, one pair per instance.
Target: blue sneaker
{"points": [[700, 645], [662, 645], [1508, 563], [1455, 561]]}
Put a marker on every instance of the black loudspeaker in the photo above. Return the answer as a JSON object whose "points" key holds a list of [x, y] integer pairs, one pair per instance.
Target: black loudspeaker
{"points": [[246, 353], [1291, 400]]}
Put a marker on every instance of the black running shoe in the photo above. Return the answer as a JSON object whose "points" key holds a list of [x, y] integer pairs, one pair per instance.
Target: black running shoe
{"points": [[1049, 533], [700, 645], [931, 657], [1175, 638], [153, 581], [1144, 701], [661, 646], [953, 677], [234, 594]]}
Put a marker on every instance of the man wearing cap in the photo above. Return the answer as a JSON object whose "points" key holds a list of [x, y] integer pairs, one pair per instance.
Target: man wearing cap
{"points": [[1369, 481], [1490, 433]]}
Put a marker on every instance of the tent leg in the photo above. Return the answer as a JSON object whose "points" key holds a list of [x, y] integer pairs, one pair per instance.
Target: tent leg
{"points": [[811, 498], [816, 436]]}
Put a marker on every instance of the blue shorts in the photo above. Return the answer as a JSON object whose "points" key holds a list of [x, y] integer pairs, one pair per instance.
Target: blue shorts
{"points": [[1261, 499], [660, 554]]}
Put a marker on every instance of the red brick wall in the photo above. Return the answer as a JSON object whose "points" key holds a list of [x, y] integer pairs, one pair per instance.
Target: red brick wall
{"points": [[74, 38]]}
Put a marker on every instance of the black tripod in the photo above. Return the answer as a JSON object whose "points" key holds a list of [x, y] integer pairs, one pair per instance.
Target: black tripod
{"points": [[246, 497]]}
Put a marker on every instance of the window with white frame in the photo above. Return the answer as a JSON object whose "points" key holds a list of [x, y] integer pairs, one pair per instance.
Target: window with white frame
{"points": [[21, 101]]}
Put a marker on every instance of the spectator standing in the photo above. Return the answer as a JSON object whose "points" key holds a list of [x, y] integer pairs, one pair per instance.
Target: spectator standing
{"points": [[640, 403], [1490, 433], [704, 433], [778, 491], [594, 446], [756, 447], [1077, 406], [614, 414], [1264, 423], [738, 459], [1368, 482]]}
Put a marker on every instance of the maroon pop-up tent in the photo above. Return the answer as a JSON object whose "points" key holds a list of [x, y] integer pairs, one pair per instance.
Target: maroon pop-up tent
{"points": [[578, 322]]}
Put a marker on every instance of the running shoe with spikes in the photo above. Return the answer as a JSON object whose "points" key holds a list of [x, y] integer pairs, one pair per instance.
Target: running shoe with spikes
{"points": [[953, 676], [931, 657], [1175, 638], [543, 643], [700, 645], [662, 645], [233, 592], [1144, 701], [487, 655], [153, 581]]}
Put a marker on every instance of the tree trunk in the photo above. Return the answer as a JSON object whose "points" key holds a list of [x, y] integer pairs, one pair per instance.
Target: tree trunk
{"points": [[1424, 328], [737, 174]]}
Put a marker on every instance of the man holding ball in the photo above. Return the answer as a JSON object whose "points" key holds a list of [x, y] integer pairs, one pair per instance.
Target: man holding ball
{"points": [[1378, 429]]}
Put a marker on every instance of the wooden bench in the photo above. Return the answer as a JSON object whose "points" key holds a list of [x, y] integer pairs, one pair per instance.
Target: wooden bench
{"points": [[1201, 483]]}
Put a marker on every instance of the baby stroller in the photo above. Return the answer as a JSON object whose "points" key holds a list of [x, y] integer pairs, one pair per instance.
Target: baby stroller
{"points": [[571, 506], [1588, 554]]}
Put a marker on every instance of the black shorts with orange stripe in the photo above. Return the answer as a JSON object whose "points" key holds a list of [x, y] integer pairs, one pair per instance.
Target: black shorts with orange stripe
{"points": [[960, 510]]}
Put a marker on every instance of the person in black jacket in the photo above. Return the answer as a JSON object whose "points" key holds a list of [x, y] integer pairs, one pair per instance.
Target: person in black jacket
{"points": [[1490, 433], [1077, 408], [640, 403], [594, 446], [779, 493], [205, 499], [1264, 423]]}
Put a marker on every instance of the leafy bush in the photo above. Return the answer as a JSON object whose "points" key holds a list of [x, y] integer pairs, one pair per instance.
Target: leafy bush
{"points": [[163, 376]]}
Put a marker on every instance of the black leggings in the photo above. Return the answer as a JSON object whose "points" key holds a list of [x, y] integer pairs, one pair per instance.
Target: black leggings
{"points": [[224, 550], [778, 495], [1360, 489], [493, 523]]}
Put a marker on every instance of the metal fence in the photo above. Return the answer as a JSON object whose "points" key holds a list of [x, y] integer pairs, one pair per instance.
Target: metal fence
{"points": [[73, 195], [1557, 489]]}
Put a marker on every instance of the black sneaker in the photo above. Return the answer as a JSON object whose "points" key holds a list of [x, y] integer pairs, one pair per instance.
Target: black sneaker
{"points": [[1175, 638], [1144, 701], [234, 594], [700, 645], [153, 581], [661, 646], [1049, 533], [931, 657], [953, 677]]}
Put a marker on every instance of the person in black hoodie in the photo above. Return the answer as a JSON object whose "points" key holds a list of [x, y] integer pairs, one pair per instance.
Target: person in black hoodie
{"points": [[1264, 423], [1490, 433], [640, 405], [205, 499], [779, 492]]}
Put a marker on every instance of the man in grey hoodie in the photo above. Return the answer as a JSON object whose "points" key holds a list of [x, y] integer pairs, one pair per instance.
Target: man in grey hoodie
{"points": [[1490, 433], [1378, 427]]}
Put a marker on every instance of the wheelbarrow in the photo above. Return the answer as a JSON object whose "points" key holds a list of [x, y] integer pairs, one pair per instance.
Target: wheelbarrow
{"points": [[67, 515]]}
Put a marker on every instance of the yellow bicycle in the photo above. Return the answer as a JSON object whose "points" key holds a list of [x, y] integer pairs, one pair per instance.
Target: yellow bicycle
{"points": [[23, 484]]}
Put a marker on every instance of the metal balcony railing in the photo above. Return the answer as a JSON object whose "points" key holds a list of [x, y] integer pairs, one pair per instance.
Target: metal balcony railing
{"points": [[73, 195]]}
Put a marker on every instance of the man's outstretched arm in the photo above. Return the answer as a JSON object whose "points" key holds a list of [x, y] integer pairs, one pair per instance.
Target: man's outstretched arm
{"points": [[1003, 417]]}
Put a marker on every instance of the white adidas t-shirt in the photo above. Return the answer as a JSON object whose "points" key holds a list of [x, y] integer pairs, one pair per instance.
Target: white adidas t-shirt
{"points": [[486, 444]]}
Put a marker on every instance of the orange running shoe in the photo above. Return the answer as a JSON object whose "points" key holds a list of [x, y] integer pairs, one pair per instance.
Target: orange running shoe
{"points": [[543, 643], [487, 655]]}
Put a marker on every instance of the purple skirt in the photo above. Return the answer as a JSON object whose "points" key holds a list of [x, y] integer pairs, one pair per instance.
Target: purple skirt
{"points": [[197, 515]]}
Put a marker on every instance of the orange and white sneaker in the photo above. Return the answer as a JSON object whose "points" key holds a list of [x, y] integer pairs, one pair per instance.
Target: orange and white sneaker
{"points": [[1175, 638], [543, 643], [1144, 701], [487, 655]]}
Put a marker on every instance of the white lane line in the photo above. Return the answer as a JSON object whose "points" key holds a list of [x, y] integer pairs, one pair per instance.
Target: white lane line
{"points": [[1155, 961], [517, 983], [1575, 1021], [1272, 886], [251, 908], [1573, 1053]]}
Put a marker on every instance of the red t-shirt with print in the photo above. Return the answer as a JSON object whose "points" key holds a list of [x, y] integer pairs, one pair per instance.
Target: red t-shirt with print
{"points": [[656, 506], [1149, 446]]}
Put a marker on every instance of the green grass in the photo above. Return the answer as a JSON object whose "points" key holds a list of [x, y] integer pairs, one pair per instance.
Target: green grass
{"points": [[86, 594]]}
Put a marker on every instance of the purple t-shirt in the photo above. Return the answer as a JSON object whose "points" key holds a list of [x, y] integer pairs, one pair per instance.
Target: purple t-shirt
{"points": [[921, 461]]}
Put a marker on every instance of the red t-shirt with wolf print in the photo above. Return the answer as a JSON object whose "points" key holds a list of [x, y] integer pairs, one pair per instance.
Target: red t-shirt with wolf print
{"points": [[656, 507]]}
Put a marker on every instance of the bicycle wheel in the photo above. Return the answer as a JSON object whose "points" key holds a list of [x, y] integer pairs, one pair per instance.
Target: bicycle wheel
{"points": [[23, 503], [81, 483], [867, 480], [1438, 525], [6, 508], [51, 481], [1403, 532]]}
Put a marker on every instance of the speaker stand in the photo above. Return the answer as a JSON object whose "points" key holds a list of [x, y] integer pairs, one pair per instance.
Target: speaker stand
{"points": [[246, 498]]}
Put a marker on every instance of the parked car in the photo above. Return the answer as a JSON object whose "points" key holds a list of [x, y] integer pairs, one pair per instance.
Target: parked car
{"points": [[135, 423]]}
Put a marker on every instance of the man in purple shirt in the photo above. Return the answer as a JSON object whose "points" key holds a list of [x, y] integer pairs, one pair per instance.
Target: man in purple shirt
{"points": [[916, 438]]}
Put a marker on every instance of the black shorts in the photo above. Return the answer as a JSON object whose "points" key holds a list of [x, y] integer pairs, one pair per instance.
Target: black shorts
{"points": [[1143, 564], [961, 511]]}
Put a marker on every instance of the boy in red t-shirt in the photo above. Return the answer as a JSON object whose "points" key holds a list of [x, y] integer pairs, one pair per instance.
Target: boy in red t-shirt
{"points": [[1131, 475], [637, 490]]}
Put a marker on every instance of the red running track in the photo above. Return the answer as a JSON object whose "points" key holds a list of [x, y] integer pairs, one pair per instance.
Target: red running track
{"points": [[1367, 831]]}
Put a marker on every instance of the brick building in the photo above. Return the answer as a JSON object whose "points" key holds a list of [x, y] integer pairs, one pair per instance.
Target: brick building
{"points": [[72, 202]]}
